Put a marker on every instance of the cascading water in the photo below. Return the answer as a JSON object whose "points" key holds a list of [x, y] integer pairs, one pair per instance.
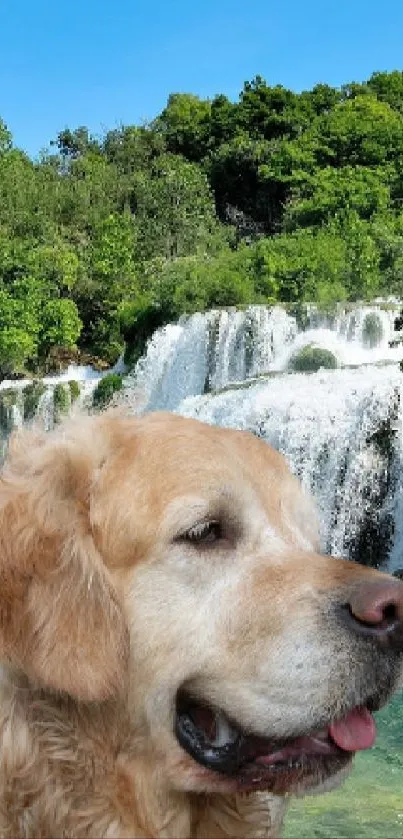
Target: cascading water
{"points": [[208, 352], [23, 400], [175, 365], [341, 430]]}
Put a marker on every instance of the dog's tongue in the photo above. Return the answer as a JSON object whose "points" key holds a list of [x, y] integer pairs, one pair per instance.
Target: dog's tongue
{"points": [[356, 731]]}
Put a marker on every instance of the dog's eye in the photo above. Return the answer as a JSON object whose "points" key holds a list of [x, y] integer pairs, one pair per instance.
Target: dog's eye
{"points": [[204, 533]]}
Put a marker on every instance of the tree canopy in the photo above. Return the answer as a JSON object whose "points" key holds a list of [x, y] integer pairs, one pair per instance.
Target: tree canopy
{"points": [[277, 197]]}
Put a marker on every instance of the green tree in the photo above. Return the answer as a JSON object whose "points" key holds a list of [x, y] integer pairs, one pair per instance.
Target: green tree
{"points": [[74, 143], [90, 192], [360, 131], [223, 121], [132, 149], [60, 325], [269, 112], [174, 212], [307, 265], [388, 87], [362, 268], [111, 279], [5, 138], [322, 98], [56, 264], [21, 208], [329, 190], [185, 125], [19, 324], [386, 231], [16, 347]]}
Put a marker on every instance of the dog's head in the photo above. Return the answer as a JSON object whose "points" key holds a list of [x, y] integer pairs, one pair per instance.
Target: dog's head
{"points": [[175, 567]]}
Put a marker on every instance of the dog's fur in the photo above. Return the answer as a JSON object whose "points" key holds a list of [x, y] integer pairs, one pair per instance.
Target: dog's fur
{"points": [[106, 611]]}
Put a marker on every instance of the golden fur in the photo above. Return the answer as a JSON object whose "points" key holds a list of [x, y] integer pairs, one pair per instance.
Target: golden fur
{"points": [[104, 614]]}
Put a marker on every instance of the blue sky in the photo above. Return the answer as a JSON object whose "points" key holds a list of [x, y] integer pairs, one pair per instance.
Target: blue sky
{"points": [[98, 63]]}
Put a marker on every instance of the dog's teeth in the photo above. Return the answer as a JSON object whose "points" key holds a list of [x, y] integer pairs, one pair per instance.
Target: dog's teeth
{"points": [[323, 734], [225, 733]]}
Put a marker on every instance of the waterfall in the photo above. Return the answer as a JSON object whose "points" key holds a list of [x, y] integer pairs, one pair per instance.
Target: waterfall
{"points": [[340, 429], [342, 434], [209, 352], [45, 400], [175, 365]]}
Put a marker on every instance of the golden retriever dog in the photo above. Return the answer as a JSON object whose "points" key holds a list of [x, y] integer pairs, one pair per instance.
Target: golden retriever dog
{"points": [[177, 657]]}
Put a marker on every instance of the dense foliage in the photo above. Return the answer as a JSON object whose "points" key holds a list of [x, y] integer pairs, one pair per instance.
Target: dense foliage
{"points": [[277, 197]]}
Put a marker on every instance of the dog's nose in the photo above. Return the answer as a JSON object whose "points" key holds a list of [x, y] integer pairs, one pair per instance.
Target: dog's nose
{"points": [[376, 608]]}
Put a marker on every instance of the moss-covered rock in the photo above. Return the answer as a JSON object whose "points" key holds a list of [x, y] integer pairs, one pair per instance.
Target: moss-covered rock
{"points": [[61, 401], [132, 354], [372, 330], [311, 358], [299, 311], [31, 396], [74, 388], [105, 389], [8, 399]]}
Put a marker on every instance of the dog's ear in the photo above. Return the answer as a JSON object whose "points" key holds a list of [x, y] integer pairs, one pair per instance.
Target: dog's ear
{"points": [[61, 621]]}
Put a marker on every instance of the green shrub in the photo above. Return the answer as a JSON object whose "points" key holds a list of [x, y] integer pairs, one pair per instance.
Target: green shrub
{"points": [[139, 318], [74, 388], [105, 389], [310, 359], [106, 340], [31, 396], [61, 400]]}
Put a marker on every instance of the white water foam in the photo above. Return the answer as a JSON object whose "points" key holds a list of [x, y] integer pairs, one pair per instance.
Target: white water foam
{"points": [[341, 430], [326, 425], [208, 352]]}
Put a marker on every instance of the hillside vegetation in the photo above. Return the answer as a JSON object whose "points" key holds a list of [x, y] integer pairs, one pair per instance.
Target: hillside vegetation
{"points": [[276, 197]]}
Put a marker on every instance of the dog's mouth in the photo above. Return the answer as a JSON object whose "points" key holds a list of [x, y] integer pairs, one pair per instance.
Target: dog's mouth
{"points": [[258, 762]]}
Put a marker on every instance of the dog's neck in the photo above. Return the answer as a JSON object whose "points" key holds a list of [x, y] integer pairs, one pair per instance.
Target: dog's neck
{"points": [[78, 771], [253, 816], [191, 816]]}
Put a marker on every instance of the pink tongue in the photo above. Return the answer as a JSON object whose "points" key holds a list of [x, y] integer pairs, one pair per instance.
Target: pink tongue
{"points": [[355, 731]]}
